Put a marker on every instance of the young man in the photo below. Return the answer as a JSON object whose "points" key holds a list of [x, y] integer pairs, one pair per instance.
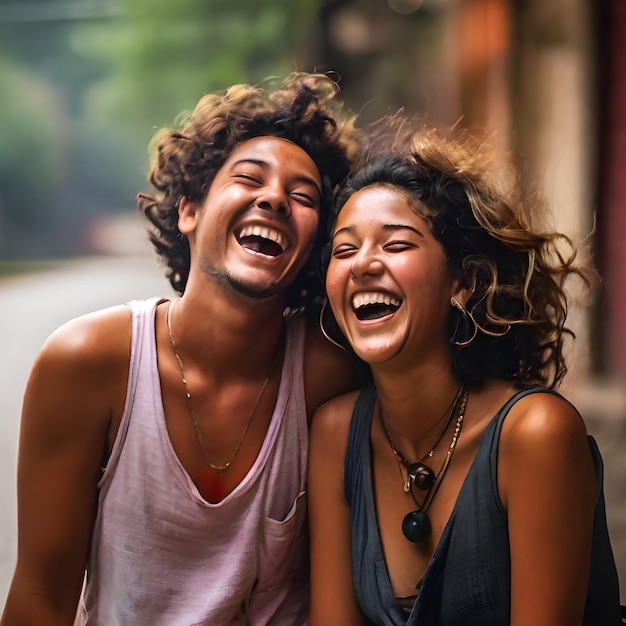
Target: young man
{"points": [[163, 445]]}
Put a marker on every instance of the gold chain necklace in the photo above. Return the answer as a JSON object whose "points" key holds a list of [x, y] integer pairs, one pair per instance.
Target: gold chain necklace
{"points": [[194, 418], [389, 426], [421, 474], [416, 525]]}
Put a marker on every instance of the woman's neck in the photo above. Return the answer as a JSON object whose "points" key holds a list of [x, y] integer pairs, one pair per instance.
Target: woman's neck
{"points": [[417, 401]]}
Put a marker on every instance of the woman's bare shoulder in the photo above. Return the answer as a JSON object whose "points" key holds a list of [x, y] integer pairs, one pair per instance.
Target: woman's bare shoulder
{"points": [[543, 445], [542, 418], [331, 423]]}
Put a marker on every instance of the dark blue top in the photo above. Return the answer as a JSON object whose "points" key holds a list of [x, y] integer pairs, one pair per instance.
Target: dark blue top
{"points": [[468, 581]]}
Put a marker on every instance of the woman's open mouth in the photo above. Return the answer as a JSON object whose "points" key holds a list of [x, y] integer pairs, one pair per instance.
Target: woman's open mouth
{"points": [[374, 305]]}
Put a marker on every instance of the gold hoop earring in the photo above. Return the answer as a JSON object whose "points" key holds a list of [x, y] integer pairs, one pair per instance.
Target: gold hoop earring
{"points": [[328, 337], [465, 326]]}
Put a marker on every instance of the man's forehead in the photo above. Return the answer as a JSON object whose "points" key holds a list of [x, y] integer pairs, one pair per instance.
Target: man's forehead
{"points": [[263, 142], [270, 150]]}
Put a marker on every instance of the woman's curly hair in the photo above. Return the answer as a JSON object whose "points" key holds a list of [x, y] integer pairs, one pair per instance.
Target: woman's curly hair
{"points": [[302, 109], [516, 274]]}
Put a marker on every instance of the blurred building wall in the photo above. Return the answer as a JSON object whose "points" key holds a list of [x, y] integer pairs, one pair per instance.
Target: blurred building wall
{"points": [[554, 133], [526, 72], [612, 184]]}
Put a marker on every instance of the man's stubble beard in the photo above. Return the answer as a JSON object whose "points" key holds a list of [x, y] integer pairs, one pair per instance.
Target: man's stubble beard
{"points": [[225, 279]]}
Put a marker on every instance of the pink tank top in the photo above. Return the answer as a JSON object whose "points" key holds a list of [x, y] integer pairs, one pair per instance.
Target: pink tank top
{"points": [[160, 553]]}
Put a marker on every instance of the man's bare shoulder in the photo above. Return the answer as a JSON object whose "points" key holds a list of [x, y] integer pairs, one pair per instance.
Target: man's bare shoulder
{"points": [[96, 345], [101, 337], [76, 389]]}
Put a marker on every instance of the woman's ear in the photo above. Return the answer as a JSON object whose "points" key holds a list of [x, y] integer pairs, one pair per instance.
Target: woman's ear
{"points": [[187, 216], [462, 289]]}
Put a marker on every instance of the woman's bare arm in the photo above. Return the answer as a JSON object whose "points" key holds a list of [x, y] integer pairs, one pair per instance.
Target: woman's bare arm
{"points": [[333, 600], [547, 483]]}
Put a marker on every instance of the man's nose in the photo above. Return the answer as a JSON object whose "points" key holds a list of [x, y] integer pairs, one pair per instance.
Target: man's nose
{"points": [[273, 197]]}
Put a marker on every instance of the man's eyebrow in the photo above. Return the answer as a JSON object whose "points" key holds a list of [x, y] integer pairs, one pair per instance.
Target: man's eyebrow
{"points": [[302, 178]]}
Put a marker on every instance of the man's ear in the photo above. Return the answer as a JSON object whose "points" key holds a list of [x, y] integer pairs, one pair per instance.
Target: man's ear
{"points": [[187, 216]]}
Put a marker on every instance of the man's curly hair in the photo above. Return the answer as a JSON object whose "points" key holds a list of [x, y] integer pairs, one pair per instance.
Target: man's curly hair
{"points": [[303, 109], [516, 274]]}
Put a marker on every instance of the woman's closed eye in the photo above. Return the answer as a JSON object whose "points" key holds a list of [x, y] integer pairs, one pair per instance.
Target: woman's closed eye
{"points": [[343, 250], [399, 246]]}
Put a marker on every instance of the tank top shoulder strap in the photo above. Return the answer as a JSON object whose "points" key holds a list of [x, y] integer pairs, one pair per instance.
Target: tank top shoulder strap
{"points": [[292, 374], [357, 452], [142, 331], [504, 411], [494, 429]]}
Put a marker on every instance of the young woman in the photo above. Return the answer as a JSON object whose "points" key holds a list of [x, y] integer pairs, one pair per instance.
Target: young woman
{"points": [[459, 488]]}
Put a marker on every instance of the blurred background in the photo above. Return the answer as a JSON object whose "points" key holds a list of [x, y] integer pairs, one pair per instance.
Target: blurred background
{"points": [[84, 85]]}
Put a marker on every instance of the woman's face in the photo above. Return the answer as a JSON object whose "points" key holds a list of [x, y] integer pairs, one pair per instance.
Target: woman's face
{"points": [[388, 281]]}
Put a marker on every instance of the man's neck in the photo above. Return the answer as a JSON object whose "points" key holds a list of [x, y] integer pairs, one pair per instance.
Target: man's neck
{"points": [[236, 332]]}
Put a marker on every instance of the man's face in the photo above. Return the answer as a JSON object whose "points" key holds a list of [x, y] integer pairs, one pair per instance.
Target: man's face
{"points": [[257, 225]]}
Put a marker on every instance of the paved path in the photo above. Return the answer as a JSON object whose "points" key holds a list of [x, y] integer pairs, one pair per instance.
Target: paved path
{"points": [[31, 307]]}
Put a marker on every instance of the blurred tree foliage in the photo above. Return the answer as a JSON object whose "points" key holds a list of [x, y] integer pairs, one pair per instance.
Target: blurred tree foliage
{"points": [[32, 140], [40, 85], [84, 84], [164, 55]]}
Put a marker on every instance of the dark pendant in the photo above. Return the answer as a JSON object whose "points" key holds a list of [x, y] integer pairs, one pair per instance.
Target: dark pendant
{"points": [[422, 476], [416, 526]]}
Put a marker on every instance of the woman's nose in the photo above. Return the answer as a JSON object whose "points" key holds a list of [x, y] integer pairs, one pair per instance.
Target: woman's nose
{"points": [[365, 263]]}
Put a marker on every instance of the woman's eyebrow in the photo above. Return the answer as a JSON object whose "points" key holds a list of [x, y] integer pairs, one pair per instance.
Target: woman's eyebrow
{"points": [[391, 227], [346, 229], [394, 227]]}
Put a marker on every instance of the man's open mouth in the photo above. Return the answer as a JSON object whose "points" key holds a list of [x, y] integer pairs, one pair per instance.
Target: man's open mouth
{"points": [[262, 240], [374, 305]]}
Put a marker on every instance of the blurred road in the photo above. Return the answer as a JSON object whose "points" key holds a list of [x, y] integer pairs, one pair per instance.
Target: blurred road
{"points": [[33, 306]]}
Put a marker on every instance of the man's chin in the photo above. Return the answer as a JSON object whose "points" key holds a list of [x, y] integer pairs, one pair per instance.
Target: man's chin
{"points": [[254, 290]]}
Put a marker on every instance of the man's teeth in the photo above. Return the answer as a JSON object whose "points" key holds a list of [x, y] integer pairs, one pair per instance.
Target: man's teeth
{"points": [[265, 233], [369, 298]]}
